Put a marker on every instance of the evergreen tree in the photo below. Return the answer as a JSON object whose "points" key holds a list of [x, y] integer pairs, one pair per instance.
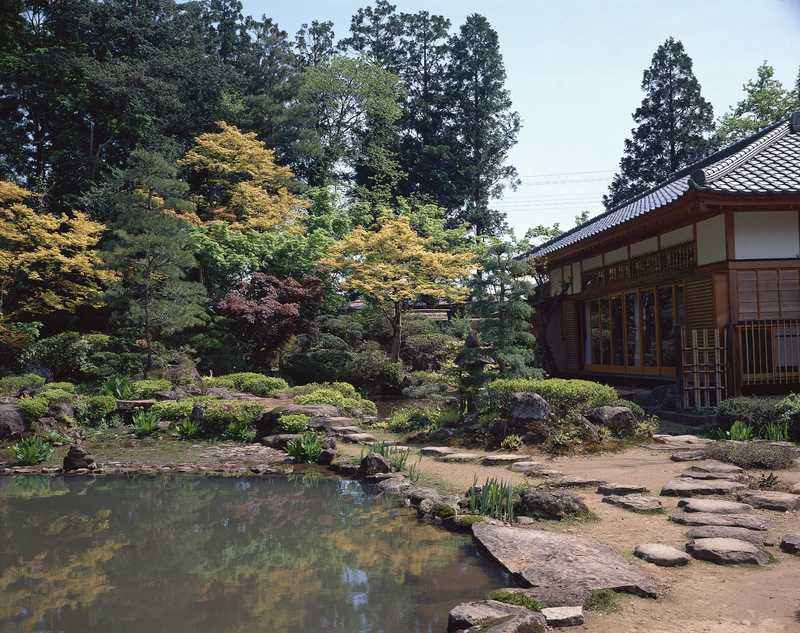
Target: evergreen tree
{"points": [[314, 44], [482, 122], [765, 101], [672, 125], [373, 34]]}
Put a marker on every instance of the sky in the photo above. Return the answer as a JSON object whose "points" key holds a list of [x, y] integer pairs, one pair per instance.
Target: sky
{"points": [[575, 70]]}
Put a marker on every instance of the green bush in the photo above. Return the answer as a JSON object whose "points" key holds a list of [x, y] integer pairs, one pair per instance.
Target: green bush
{"points": [[188, 430], [79, 356], [412, 419], [174, 410], [33, 407], [325, 365], [563, 395], [62, 386], [145, 422], [221, 417], [788, 410], [147, 389], [56, 395], [375, 372], [31, 450], [248, 382], [755, 411], [348, 405], [13, 385], [293, 422], [344, 388], [120, 387], [305, 449], [431, 350], [751, 454], [637, 410], [741, 431], [511, 442], [94, 410]]}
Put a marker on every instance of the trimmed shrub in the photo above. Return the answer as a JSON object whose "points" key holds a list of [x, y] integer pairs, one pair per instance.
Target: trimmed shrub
{"points": [[429, 350], [293, 422], [94, 410], [13, 385], [344, 388], [751, 454], [408, 419], [77, 356], [222, 416], [788, 411], [375, 372], [61, 386], [173, 410], [638, 412], [563, 395], [146, 389], [33, 407], [336, 398], [248, 382], [756, 411], [325, 365]]}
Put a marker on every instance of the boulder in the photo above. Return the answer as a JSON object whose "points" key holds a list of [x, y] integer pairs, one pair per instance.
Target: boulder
{"points": [[359, 438], [688, 456], [460, 457], [374, 464], [395, 485], [795, 489], [550, 504], [530, 416], [530, 622], [589, 433], [184, 373], [420, 392], [574, 481], [280, 441], [12, 422], [635, 503], [562, 566], [437, 451], [469, 614], [715, 466], [620, 489], [770, 500], [727, 551], [77, 458], [558, 617], [721, 531], [499, 459], [791, 544], [326, 457], [749, 521], [619, 419], [526, 467], [698, 474], [691, 487], [63, 411], [715, 506], [661, 555]]}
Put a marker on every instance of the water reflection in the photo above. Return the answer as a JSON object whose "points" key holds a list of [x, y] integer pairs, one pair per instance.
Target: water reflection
{"points": [[224, 555]]}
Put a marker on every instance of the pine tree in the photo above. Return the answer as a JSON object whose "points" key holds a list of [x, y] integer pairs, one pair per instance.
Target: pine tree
{"points": [[672, 125], [483, 123]]}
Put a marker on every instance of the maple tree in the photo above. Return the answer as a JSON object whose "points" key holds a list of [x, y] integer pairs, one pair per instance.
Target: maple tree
{"points": [[391, 264], [48, 262]]}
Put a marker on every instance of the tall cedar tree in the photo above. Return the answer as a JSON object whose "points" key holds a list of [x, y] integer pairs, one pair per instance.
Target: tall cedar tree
{"points": [[672, 125], [153, 251], [483, 122]]}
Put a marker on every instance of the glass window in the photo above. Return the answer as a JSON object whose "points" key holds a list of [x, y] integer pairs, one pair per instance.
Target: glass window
{"points": [[600, 335], [665, 326], [632, 326], [648, 301], [617, 328]]}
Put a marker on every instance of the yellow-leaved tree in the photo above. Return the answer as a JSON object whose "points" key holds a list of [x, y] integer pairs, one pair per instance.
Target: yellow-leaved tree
{"points": [[391, 264], [48, 263], [237, 180]]}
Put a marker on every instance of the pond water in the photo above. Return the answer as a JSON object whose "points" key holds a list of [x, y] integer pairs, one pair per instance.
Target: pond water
{"points": [[211, 555]]}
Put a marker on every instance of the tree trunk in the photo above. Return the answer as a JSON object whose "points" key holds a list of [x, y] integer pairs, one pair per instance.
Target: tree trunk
{"points": [[397, 325]]}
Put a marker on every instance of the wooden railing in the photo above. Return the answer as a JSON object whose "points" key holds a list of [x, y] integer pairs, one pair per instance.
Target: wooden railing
{"points": [[768, 351], [667, 261]]}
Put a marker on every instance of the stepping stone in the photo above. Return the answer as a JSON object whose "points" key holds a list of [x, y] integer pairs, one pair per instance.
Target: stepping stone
{"points": [[561, 563], [721, 531], [727, 551], [715, 466], [635, 503], [345, 430], [791, 544], [359, 438], [499, 459], [558, 617], [770, 500], [460, 457], [620, 489], [437, 451], [688, 456], [526, 467], [693, 487], [488, 613], [573, 481], [749, 521], [796, 489], [681, 439], [692, 474], [661, 555], [715, 506], [544, 472]]}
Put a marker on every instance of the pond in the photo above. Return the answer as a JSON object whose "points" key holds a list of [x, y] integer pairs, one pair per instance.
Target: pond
{"points": [[186, 554]]}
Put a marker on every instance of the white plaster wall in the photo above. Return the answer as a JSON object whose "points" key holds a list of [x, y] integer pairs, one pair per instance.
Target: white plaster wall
{"points": [[650, 245], [618, 255], [766, 234], [592, 262], [711, 240], [576, 278], [678, 236], [555, 282]]}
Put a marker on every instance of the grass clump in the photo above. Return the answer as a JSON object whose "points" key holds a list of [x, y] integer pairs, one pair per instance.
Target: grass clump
{"points": [[306, 449], [751, 455], [13, 385], [495, 498], [145, 422], [601, 600], [397, 457], [563, 395], [511, 442], [188, 430], [248, 382], [119, 387], [517, 598], [31, 450], [293, 422]]}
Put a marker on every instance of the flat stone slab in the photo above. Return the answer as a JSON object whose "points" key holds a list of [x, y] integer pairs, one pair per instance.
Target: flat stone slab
{"points": [[715, 506], [716, 466], [347, 429], [692, 487], [526, 467], [791, 544], [796, 489], [663, 438], [770, 500], [721, 531], [437, 451], [727, 551], [688, 456], [699, 474], [497, 617], [661, 555], [573, 481], [559, 617], [561, 562], [635, 503], [359, 438], [499, 459], [749, 521], [544, 473], [460, 457], [620, 489]]}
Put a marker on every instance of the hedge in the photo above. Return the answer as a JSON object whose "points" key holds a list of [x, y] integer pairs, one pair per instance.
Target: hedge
{"points": [[563, 395], [12, 385], [248, 382]]}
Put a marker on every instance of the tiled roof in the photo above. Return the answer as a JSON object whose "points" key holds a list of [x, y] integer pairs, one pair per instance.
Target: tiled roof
{"points": [[767, 162]]}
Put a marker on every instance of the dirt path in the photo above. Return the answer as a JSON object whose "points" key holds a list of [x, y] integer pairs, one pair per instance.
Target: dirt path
{"points": [[700, 598]]}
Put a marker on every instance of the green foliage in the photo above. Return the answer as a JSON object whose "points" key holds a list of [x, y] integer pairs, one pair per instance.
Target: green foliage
{"points": [[564, 440], [145, 422], [637, 410], [398, 457], [375, 372], [187, 430], [31, 450], [775, 431], [248, 382], [753, 410], [495, 498], [146, 389], [414, 418], [563, 395], [174, 410], [306, 449], [511, 442], [788, 411], [229, 417], [94, 410], [517, 598], [601, 600], [317, 365], [79, 356], [13, 385], [645, 427], [293, 422], [120, 387], [240, 431], [33, 407], [751, 454], [62, 386], [348, 405], [740, 432]]}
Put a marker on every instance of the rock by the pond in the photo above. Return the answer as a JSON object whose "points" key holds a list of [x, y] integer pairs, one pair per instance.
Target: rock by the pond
{"points": [[620, 489], [326, 457], [770, 500], [469, 614], [374, 464], [128, 406], [550, 504], [749, 521], [12, 422], [688, 456], [573, 481], [791, 544], [281, 440], [726, 551], [437, 451], [635, 503], [77, 458], [395, 485], [525, 467], [722, 531], [460, 457], [716, 466], [661, 555], [560, 563], [530, 622], [558, 617], [619, 419], [691, 487], [359, 438], [715, 506], [499, 459]]}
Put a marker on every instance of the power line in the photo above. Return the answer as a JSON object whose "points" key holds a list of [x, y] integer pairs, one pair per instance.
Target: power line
{"points": [[569, 173]]}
